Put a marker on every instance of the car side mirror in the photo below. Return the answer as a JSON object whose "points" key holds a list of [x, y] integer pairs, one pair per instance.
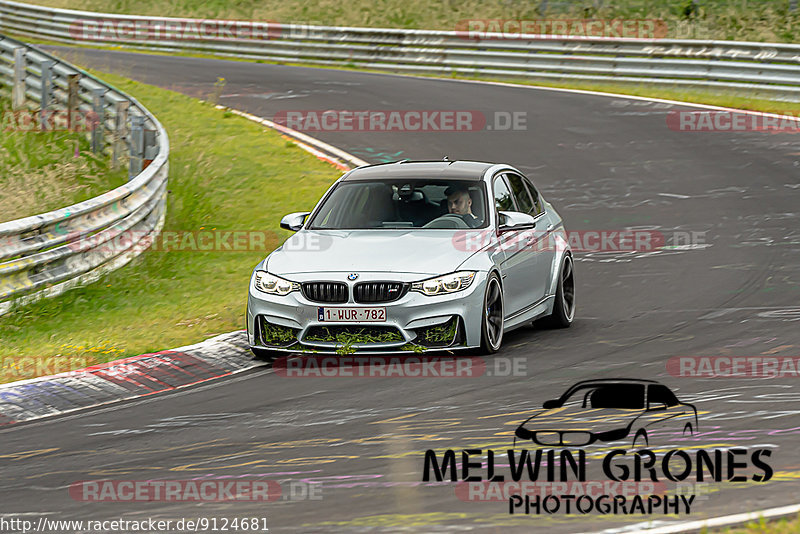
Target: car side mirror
{"points": [[515, 220], [294, 221], [549, 405]]}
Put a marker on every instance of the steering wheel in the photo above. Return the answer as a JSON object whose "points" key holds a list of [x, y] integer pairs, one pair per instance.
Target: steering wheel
{"points": [[448, 220]]}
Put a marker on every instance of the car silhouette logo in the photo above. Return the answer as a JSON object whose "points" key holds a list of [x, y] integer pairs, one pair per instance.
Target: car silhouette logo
{"points": [[605, 410], [352, 276]]}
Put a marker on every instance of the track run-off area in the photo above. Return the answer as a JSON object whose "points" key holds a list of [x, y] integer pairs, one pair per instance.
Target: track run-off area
{"points": [[349, 451]]}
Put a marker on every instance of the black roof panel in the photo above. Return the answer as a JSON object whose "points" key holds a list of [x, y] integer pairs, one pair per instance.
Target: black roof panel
{"points": [[446, 170]]}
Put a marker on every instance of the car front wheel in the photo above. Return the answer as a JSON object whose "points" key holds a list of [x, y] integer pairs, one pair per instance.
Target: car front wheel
{"points": [[492, 323]]}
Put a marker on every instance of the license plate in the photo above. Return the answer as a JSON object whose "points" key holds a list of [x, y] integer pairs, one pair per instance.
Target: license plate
{"points": [[351, 315]]}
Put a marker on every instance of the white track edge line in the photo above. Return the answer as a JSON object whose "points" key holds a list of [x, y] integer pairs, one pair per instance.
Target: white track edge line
{"points": [[304, 141], [721, 521]]}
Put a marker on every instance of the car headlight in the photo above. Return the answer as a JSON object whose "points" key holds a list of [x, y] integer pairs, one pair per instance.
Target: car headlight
{"points": [[274, 285], [449, 283]]}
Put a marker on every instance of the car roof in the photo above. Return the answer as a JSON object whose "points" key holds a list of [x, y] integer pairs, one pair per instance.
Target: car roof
{"points": [[602, 381], [447, 170]]}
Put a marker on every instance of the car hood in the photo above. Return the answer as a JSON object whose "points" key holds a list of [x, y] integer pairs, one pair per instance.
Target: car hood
{"points": [[575, 418], [428, 252]]}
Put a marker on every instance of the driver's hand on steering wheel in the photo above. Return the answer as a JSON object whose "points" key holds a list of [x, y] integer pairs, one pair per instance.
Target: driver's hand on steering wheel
{"points": [[471, 220]]}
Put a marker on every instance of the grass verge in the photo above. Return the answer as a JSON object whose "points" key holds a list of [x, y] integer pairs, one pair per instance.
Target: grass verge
{"points": [[753, 101], [43, 171], [226, 174], [788, 525]]}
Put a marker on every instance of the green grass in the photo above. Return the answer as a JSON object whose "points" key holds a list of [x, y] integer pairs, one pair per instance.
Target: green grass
{"points": [[43, 171], [751, 101], [790, 525], [226, 173], [346, 340], [443, 333], [277, 335], [757, 20]]}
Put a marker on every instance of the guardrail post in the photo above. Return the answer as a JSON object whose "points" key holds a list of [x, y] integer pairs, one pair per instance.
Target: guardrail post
{"points": [[47, 93], [18, 89], [72, 100], [150, 148], [98, 120], [120, 134], [136, 145]]}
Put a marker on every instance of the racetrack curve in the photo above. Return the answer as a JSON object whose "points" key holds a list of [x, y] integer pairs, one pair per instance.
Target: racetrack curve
{"points": [[606, 163]]}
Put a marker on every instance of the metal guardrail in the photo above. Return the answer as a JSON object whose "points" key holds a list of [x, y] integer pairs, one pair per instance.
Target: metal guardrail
{"points": [[771, 69], [43, 255]]}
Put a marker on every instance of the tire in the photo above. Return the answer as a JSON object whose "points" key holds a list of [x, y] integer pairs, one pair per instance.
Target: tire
{"points": [[641, 435], [687, 430], [492, 316], [564, 305]]}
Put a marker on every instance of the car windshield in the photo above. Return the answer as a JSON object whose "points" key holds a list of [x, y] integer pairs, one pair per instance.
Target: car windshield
{"points": [[619, 396], [403, 203]]}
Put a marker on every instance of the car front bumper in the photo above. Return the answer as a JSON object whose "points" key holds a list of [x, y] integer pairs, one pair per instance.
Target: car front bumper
{"points": [[408, 316]]}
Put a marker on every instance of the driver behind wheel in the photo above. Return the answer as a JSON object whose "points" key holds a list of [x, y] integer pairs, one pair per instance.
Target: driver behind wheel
{"points": [[459, 203]]}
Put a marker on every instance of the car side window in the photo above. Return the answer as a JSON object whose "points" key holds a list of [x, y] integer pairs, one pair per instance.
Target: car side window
{"points": [[521, 194], [503, 200], [537, 200], [659, 394]]}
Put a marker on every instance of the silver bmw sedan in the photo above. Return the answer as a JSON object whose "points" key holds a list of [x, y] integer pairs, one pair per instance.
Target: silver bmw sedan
{"points": [[414, 256]]}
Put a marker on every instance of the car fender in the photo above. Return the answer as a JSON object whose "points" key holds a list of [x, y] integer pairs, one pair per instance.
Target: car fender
{"points": [[561, 243], [481, 262]]}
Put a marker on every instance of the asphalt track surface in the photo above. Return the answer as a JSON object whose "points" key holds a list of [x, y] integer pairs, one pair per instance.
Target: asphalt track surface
{"points": [[606, 164]]}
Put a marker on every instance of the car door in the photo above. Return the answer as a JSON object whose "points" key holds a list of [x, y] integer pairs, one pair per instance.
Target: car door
{"points": [[534, 257], [518, 264], [546, 242]]}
